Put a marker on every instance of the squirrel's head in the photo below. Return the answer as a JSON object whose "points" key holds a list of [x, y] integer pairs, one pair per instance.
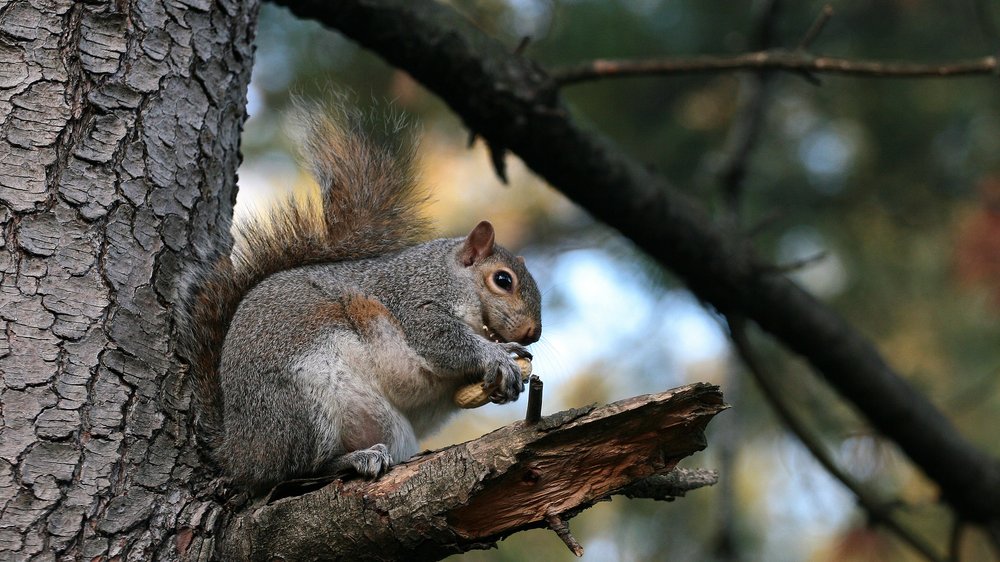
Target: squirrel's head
{"points": [[510, 302]]}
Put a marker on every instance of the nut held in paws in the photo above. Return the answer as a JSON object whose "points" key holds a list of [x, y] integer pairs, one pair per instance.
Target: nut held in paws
{"points": [[474, 395]]}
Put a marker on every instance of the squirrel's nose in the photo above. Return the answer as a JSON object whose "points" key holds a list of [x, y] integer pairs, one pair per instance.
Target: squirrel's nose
{"points": [[530, 334]]}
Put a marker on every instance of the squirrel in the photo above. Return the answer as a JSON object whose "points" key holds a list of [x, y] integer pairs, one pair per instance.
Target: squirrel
{"points": [[332, 339]]}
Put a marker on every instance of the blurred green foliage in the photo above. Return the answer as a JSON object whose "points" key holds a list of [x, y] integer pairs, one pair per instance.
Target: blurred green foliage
{"points": [[895, 182]]}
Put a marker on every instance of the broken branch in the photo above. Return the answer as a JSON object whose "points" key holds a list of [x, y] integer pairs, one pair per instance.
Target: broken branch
{"points": [[471, 495]]}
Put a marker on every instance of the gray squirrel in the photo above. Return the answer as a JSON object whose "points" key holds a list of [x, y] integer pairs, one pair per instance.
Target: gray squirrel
{"points": [[332, 339]]}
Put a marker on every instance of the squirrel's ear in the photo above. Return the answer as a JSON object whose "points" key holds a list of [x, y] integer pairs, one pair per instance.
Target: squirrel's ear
{"points": [[478, 244]]}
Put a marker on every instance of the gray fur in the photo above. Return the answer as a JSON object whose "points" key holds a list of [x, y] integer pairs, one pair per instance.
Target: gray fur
{"points": [[287, 392], [331, 345]]}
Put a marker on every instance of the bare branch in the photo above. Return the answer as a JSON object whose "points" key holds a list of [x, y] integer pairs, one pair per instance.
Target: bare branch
{"points": [[741, 140], [561, 528], [522, 45], [754, 99], [468, 496], [799, 264], [794, 61], [816, 28]]}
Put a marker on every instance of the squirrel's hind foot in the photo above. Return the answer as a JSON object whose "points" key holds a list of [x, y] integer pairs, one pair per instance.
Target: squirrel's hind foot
{"points": [[369, 463]]}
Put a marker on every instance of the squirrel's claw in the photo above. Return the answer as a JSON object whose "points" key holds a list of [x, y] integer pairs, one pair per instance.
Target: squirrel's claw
{"points": [[505, 379], [517, 349], [371, 462]]}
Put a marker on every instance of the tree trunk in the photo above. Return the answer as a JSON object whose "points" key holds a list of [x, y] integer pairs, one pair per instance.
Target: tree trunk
{"points": [[121, 127]]}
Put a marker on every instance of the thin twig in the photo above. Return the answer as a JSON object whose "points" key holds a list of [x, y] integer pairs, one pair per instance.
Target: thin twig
{"points": [[770, 60], [749, 122], [561, 528], [879, 511], [796, 265], [764, 224], [817, 27], [741, 141], [522, 45]]}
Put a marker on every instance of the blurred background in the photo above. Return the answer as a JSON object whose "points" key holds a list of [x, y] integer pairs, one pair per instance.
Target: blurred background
{"points": [[882, 195]]}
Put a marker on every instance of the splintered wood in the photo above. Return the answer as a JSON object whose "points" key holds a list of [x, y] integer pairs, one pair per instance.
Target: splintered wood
{"points": [[468, 496]]}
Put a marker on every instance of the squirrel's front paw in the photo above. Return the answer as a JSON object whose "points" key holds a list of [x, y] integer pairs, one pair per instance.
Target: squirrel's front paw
{"points": [[504, 378], [370, 462], [517, 349]]}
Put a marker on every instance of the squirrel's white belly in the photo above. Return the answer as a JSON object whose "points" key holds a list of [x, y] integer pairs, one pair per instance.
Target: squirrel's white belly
{"points": [[376, 376]]}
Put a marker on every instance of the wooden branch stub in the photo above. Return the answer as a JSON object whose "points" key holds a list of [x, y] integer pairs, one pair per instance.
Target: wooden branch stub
{"points": [[561, 528], [668, 487], [473, 494], [535, 388]]}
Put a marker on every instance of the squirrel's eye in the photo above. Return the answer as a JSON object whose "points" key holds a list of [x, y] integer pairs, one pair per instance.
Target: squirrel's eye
{"points": [[503, 280]]}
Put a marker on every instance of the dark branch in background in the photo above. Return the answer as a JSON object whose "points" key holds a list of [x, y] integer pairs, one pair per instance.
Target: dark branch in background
{"points": [[746, 129], [741, 140], [513, 102], [791, 61], [879, 511]]}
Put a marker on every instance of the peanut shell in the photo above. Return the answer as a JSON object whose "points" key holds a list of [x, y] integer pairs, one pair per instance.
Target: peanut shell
{"points": [[474, 395]]}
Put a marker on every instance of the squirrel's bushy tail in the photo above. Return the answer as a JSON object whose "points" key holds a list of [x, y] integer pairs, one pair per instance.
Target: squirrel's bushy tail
{"points": [[368, 206]]}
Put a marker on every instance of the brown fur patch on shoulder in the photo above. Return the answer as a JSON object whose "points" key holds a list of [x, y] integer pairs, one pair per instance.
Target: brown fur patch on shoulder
{"points": [[364, 312], [327, 314]]}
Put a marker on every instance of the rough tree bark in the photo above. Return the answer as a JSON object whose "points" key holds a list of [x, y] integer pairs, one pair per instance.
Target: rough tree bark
{"points": [[469, 496], [120, 124]]}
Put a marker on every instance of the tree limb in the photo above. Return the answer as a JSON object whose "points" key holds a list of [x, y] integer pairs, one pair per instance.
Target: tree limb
{"points": [[816, 28], [512, 102], [471, 495], [742, 140], [753, 101], [775, 59]]}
